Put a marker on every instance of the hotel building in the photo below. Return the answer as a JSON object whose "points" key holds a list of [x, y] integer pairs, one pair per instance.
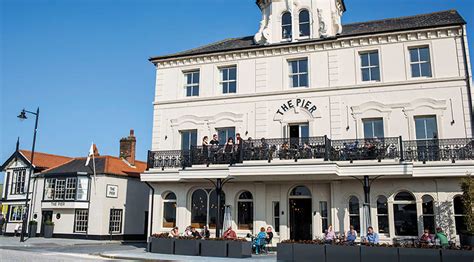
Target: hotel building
{"points": [[333, 118]]}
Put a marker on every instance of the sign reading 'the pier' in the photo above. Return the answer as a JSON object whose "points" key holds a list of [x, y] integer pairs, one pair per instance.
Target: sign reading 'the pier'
{"points": [[299, 102]]}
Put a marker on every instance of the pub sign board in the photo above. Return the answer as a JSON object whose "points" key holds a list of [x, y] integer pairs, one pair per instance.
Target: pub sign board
{"points": [[112, 191]]}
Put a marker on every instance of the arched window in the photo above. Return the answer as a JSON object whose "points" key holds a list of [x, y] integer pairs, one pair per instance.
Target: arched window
{"points": [[213, 208], [300, 191], [404, 213], [286, 26], [428, 213], [199, 204], [459, 215], [169, 210], [382, 215], [304, 23], [245, 211], [354, 213]]}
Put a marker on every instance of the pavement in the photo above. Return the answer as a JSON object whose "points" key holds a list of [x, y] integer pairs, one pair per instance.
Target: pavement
{"points": [[56, 249]]}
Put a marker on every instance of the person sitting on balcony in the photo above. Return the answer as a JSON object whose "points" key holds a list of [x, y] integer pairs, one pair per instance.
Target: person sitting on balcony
{"points": [[229, 150], [307, 151], [330, 235], [372, 237], [284, 151], [174, 232], [426, 237], [351, 235], [441, 236], [188, 232], [205, 233], [229, 234], [194, 233]]}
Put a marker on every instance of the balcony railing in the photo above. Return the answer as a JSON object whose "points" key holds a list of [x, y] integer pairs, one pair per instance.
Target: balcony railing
{"points": [[316, 148]]}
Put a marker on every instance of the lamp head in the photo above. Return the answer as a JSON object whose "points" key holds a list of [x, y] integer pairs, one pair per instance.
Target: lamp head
{"points": [[22, 115]]}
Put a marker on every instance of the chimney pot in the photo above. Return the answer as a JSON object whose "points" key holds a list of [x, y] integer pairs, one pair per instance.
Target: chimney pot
{"points": [[128, 148]]}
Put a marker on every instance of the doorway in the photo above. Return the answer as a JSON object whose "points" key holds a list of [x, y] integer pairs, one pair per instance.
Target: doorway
{"points": [[296, 132], [46, 215], [301, 219]]}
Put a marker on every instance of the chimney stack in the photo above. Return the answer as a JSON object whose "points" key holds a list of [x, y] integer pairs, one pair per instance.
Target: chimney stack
{"points": [[128, 147]]}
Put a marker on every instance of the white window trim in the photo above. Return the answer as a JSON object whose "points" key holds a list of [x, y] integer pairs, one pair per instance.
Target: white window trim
{"points": [[407, 48], [310, 22], [358, 64], [289, 74], [186, 85], [163, 209], [221, 81]]}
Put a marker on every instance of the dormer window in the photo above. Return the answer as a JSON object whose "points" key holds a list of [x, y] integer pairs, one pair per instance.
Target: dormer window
{"points": [[304, 23], [286, 26]]}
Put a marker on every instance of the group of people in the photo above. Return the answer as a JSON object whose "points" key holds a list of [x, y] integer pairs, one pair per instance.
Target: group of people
{"points": [[191, 232], [351, 236], [211, 149], [439, 238]]}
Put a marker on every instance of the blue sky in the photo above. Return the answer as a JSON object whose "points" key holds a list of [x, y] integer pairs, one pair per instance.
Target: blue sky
{"points": [[84, 62]]}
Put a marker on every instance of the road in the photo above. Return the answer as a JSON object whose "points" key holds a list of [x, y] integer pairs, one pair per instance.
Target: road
{"points": [[52, 252]]}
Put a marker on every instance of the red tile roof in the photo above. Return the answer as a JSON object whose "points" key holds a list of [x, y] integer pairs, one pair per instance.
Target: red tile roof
{"points": [[117, 166], [45, 161]]}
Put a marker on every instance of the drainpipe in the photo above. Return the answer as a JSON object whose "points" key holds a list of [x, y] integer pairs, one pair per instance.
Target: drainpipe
{"points": [[151, 210], [468, 78]]}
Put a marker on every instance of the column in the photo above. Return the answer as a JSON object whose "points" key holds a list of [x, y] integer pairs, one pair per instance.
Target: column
{"points": [[260, 206], [284, 226], [337, 212]]}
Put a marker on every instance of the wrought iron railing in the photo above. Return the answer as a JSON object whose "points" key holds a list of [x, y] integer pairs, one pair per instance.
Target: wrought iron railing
{"points": [[365, 149], [439, 149], [317, 148]]}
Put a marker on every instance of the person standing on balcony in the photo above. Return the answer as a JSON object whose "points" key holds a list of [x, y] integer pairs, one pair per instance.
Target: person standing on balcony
{"points": [[205, 149], [229, 150], [214, 147]]}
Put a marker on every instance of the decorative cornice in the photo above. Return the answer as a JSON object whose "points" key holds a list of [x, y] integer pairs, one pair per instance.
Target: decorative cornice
{"points": [[325, 45]]}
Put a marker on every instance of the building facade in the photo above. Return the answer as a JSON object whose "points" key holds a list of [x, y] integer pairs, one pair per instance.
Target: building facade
{"points": [[323, 109]]}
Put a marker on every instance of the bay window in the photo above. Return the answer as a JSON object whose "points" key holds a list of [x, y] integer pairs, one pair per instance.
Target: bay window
{"points": [[71, 188]]}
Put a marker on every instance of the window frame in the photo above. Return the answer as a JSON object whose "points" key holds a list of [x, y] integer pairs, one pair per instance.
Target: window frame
{"points": [[247, 226], [190, 137], [457, 215], [286, 37], [419, 62], [383, 215], [13, 208], [84, 226], [299, 74], [192, 85], [308, 23], [354, 215], [276, 216], [115, 221], [169, 201], [222, 82], [372, 120], [227, 134], [431, 216], [435, 117], [370, 66], [18, 181], [323, 206], [405, 202]]}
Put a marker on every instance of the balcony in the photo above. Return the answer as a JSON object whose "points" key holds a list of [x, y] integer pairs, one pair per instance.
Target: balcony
{"points": [[350, 150]]}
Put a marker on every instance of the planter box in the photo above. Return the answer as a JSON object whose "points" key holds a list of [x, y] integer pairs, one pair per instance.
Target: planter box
{"points": [[308, 252], [284, 252], [48, 231], [213, 248], [32, 229], [187, 247], [342, 253], [457, 255], [162, 245], [374, 254], [238, 249], [419, 254], [466, 240]]}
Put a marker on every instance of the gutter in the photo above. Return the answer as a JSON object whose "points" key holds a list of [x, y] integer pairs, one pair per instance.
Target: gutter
{"points": [[468, 79], [151, 209]]}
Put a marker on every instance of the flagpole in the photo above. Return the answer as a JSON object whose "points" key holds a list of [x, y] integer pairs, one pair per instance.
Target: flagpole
{"points": [[93, 165]]}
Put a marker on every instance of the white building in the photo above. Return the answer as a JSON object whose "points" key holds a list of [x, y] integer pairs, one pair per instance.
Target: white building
{"points": [[384, 102], [113, 204]]}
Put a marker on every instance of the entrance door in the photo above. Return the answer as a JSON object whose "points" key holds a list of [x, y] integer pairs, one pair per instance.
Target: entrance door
{"points": [[298, 131], [45, 216], [300, 219]]}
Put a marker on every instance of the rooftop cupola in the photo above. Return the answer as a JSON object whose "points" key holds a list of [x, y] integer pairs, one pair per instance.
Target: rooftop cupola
{"points": [[297, 20]]}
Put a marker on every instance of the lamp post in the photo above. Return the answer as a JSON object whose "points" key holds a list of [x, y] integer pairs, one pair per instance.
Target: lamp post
{"points": [[22, 116]]}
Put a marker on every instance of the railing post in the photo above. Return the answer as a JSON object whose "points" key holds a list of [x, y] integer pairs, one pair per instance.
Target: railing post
{"points": [[327, 145], [149, 162], [241, 153], [402, 157]]}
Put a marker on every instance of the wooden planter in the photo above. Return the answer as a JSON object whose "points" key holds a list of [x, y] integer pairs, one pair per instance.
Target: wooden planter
{"points": [[213, 248], [373, 254], [162, 245], [239, 249], [32, 229], [457, 255], [48, 231], [187, 247], [336, 253], [308, 252], [419, 254], [285, 252]]}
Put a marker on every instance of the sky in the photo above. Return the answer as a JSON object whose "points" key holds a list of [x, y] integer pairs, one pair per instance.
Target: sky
{"points": [[84, 63]]}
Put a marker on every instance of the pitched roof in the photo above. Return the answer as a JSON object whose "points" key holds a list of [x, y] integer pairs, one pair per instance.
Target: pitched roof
{"points": [[432, 20], [44, 160], [103, 165]]}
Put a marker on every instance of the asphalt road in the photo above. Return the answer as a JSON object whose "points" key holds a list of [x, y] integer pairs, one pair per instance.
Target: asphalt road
{"points": [[62, 253]]}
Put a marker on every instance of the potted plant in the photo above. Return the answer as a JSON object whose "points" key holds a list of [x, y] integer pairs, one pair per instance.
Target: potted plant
{"points": [[188, 246], [341, 251], [285, 251], [214, 247], [308, 250], [239, 248], [162, 243], [48, 229], [467, 186], [32, 228], [373, 253]]}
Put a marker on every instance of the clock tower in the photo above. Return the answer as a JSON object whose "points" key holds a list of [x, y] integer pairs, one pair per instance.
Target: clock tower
{"points": [[298, 20]]}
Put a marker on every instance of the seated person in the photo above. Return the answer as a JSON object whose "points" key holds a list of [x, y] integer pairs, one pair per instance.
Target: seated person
{"points": [[187, 232], [194, 233], [330, 235], [269, 235], [205, 233], [426, 237], [174, 232], [443, 239], [229, 234], [372, 237], [260, 241], [351, 235]]}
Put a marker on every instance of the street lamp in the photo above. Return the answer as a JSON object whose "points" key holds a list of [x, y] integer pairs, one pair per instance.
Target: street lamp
{"points": [[22, 116]]}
